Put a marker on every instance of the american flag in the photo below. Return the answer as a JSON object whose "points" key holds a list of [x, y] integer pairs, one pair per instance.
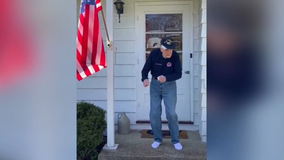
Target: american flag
{"points": [[90, 49]]}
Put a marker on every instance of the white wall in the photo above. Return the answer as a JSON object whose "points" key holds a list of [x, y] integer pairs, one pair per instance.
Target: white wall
{"points": [[93, 89], [202, 65], [196, 62]]}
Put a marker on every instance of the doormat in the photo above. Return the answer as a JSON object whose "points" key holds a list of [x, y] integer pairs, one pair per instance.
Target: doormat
{"points": [[166, 134]]}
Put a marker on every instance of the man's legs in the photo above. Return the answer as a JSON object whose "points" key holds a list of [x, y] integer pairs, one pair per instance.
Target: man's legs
{"points": [[169, 94], [156, 110]]}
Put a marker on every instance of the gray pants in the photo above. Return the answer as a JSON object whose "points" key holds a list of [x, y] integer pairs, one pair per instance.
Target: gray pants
{"points": [[168, 92]]}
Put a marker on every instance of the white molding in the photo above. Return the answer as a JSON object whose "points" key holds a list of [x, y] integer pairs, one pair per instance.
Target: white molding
{"points": [[203, 4], [203, 16], [204, 112], [203, 101], [203, 49], [106, 147], [203, 72], [203, 30], [166, 3], [203, 138], [203, 58]]}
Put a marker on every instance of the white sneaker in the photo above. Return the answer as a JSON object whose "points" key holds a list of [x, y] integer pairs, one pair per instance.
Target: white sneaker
{"points": [[178, 146], [155, 144]]}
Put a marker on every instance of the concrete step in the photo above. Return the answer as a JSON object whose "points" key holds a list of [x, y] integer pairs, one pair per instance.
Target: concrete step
{"points": [[132, 147], [152, 158]]}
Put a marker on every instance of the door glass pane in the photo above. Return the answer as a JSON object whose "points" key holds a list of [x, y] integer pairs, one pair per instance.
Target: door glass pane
{"points": [[180, 57], [159, 26], [163, 22], [154, 40]]}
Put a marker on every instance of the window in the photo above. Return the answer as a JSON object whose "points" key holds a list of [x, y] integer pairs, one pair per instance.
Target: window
{"points": [[159, 26]]}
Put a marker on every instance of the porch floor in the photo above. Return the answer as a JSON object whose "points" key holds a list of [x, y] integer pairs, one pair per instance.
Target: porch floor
{"points": [[132, 147]]}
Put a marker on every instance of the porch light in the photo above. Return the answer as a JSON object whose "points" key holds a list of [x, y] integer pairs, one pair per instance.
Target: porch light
{"points": [[119, 8]]}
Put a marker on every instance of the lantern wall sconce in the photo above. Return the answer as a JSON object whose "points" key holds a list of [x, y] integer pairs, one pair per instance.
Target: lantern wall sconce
{"points": [[119, 7]]}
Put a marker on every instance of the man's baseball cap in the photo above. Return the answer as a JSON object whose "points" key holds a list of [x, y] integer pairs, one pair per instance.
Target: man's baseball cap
{"points": [[167, 43]]}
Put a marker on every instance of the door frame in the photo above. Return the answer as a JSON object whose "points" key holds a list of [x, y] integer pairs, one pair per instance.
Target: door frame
{"points": [[138, 76]]}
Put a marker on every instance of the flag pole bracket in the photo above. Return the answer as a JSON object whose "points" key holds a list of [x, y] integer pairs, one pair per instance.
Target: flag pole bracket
{"points": [[109, 45]]}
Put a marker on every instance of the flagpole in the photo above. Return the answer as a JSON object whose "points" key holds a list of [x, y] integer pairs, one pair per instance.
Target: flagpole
{"points": [[108, 41]]}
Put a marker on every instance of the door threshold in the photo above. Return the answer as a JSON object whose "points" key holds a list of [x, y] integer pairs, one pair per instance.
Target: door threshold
{"points": [[164, 122]]}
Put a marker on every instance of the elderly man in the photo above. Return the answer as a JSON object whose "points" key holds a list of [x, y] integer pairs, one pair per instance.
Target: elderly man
{"points": [[165, 66]]}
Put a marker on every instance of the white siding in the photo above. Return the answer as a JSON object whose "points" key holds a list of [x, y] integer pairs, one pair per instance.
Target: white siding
{"points": [[196, 62], [93, 89], [202, 66]]}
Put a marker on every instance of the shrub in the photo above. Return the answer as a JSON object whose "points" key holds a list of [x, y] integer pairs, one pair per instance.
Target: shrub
{"points": [[90, 126]]}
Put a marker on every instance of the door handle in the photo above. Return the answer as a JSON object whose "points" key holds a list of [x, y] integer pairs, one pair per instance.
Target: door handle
{"points": [[187, 72]]}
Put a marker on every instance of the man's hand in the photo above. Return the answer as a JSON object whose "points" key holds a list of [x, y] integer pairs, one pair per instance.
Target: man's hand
{"points": [[146, 83], [161, 79]]}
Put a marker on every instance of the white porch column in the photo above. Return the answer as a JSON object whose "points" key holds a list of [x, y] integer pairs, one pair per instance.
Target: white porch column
{"points": [[110, 79]]}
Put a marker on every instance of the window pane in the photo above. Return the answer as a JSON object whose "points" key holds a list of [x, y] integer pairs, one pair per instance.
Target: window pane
{"points": [[154, 41], [157, 26], [163, 22], [180, 57]]}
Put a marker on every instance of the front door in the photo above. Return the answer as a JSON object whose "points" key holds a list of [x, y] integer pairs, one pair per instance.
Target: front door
{"points": [[153, 22]]}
